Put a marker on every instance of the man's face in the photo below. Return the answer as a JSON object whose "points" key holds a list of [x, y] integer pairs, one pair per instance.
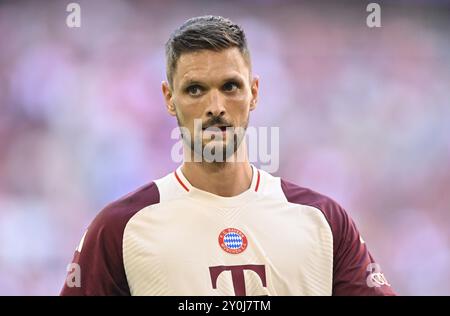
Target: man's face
{"points": [[216, 88]]}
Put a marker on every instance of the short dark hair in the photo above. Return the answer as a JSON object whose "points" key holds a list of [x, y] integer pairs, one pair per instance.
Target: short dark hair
{"points": [[204, 32]]}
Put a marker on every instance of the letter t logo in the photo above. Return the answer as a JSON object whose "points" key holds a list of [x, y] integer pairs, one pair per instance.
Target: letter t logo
{"points": [[237, 276]]}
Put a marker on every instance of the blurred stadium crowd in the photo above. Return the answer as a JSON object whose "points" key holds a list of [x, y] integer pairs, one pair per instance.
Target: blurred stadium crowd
{"points": [[364, 117]]}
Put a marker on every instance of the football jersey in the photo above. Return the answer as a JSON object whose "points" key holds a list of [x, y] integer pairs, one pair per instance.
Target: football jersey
{"points": [[276, 238]]}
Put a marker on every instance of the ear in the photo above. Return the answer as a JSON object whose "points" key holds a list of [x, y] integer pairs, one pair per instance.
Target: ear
{"points": [[254, 88], [168, 98]]}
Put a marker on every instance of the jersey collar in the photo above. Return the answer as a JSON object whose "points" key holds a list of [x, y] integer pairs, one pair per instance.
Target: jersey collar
{"points": [[218, 200]]}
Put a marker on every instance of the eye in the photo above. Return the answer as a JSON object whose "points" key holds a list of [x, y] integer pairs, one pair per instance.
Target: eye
{"points": [[231, 86], [194, 90]]}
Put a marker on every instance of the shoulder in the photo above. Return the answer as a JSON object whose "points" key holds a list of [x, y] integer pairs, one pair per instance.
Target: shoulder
{"points": [[100, 254], [340, 222], [332, 211], [113, 218]]}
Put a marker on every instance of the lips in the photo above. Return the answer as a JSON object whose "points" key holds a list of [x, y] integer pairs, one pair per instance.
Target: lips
{"points": [[223, 128]]}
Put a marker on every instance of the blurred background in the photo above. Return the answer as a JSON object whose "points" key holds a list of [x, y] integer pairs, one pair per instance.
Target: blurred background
{"points": [[364, 117]]}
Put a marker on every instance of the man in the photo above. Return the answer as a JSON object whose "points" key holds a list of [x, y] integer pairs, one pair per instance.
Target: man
{"points": [[218, 225]]}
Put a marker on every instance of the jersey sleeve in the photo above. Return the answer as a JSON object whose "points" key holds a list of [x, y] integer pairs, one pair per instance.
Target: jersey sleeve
{"points": [[97, 267], [355, 272]]}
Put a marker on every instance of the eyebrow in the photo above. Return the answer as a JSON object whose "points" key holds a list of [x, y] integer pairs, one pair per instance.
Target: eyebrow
{"points": [[193, 81], [190, 82]]}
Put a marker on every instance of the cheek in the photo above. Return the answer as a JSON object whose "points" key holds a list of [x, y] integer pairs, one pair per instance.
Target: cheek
{"points": [[239, 105], [190, 109], [188, 113]]}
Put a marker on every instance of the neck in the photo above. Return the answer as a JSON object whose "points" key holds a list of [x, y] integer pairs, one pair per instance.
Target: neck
{"points": [[225, 179]]}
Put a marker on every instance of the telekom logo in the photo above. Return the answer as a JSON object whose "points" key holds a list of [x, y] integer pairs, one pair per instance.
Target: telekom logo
{"points": [[237, 276]]}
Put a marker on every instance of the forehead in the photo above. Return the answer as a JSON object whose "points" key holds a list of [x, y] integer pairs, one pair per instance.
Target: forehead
{"points": [[207, 65]]}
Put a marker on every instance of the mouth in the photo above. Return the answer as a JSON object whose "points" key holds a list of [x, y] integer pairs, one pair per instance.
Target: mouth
{"points": [[222, 128]]}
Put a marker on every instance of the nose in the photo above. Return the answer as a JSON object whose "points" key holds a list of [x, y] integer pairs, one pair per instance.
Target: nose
{"points": [[216, 105]]}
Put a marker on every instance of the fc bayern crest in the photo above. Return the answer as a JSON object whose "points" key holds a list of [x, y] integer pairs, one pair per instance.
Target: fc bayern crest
{"points": [[232, 240]]}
